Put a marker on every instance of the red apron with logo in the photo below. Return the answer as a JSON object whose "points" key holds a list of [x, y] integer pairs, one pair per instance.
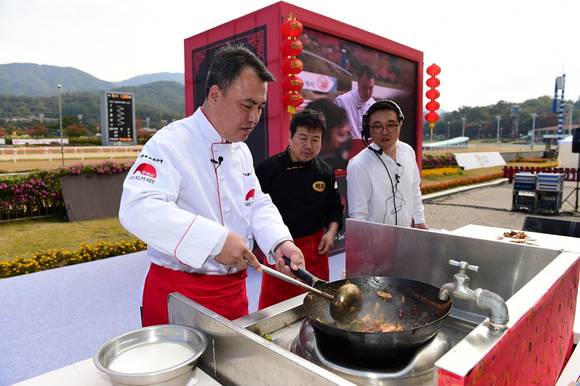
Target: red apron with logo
{"points": [[224, 294], [275, 290]]}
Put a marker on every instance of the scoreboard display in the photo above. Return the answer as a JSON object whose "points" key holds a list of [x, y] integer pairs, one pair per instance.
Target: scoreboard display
{"points": [[118, 119]]}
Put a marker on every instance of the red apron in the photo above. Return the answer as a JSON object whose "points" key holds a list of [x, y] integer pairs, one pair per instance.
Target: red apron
{"points": [[275, 290], [224, 294]]}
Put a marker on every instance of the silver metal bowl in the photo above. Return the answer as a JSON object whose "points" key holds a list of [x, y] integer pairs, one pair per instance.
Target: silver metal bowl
{"points": [[178, 374]]}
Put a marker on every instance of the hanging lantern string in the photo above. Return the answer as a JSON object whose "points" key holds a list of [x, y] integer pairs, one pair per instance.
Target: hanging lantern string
{"points": [[291, 48], [432, 94]]}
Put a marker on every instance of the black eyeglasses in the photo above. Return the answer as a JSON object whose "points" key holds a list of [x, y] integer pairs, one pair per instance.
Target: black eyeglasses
{"points": [[379, 128]]}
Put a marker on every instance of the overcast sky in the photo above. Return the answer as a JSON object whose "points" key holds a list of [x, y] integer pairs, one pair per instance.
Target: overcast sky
{"points": [[488, 50]]}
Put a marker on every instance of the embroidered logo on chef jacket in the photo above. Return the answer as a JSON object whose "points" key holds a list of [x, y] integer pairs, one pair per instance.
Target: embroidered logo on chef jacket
{"points": [[145, 172], [319, 186], [160, 160], [250, 197]]}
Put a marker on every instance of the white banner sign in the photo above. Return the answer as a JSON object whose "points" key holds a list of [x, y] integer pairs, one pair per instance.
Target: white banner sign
{"points": [[479, 160], [318, 82]]}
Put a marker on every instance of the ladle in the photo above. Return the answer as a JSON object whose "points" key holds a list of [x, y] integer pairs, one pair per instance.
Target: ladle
{"points": [[346, 301]]}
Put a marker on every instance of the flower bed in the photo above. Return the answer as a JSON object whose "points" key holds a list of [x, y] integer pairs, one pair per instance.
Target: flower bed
{"points": [[543, 163], [439, 161], [437, 172], [56, 258], [534, 160], [444, 185], [39, 193], [32, 195]]}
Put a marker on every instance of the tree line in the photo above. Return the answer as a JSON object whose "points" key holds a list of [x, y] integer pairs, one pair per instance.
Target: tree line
{"points": [[481, 122]]}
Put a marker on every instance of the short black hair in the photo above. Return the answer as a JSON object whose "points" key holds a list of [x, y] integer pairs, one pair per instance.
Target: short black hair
{"points": [[365, 70], [227, 64], [310, 119]]}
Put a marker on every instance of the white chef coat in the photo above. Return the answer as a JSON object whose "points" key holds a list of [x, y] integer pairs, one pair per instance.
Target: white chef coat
{"points": [[355, 109], [183, 205], [370, 193]]}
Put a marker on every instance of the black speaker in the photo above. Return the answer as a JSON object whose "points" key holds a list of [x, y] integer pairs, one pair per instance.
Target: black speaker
{"points": [[576, 141]]}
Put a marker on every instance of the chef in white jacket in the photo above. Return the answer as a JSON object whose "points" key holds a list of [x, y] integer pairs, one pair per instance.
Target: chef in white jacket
{"points": [[193, 197]]}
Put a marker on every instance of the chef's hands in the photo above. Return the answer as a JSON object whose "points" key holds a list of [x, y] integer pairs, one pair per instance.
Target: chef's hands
{"points": [[327, 239], [236, 254], [422, 226], [290, 250]]}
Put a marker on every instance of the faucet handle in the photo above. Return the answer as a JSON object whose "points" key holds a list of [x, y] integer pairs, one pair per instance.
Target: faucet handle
{"points": [[463, 265]]}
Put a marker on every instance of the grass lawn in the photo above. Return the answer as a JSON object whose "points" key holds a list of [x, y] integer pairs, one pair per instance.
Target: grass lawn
{"points": [[24, 238]]}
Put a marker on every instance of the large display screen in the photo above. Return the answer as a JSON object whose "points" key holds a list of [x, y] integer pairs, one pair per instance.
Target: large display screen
{"points": [[255, 41], [330, 68], [119, 118]]}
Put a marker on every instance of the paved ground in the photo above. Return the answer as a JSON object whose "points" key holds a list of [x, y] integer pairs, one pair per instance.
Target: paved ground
{"points": [[489, 206]]}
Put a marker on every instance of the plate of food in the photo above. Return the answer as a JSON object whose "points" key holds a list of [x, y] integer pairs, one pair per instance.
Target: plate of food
{"points": [[519, 237]]}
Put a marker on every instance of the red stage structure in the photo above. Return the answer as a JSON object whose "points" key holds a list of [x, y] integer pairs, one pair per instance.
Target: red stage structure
{"points": [[332, 53]]}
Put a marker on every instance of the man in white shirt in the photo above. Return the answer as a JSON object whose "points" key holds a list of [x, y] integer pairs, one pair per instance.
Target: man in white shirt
{"points": [[357, 102], [194, 198], [383, 181]]}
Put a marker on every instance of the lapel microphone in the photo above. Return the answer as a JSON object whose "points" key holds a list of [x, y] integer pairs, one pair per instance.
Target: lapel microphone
{"points": [[218, 162]]}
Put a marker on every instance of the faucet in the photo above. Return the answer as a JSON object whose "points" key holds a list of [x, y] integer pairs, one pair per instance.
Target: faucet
{"points": [[487, 300]]}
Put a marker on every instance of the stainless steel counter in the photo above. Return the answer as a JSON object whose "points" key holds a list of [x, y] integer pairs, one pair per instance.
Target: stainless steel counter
{"points": [[540, 240], [238, 355]]}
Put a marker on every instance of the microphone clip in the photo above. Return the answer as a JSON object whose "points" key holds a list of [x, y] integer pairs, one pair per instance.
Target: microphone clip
{"points": [[217, 162]]}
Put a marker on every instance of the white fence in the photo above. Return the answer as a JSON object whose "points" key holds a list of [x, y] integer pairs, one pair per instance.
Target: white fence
{"points": [[15, 154], [43, 141]]}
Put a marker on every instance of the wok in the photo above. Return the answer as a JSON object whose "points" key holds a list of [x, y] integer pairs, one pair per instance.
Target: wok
{"points": [[414, 305]]}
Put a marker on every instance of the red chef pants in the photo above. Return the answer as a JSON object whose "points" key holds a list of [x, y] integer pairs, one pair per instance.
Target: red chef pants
{"points": [[275, 290], [224, 294]]}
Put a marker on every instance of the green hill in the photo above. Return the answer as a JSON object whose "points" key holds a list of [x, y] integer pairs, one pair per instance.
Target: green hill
{"points": [[27, 79], [158, 101], [41, 80]]}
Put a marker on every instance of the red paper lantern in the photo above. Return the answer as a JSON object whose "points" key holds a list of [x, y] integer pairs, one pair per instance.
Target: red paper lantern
{"points": [[292, 66], [292, 83], [291, 28], [292, 47], [432, 117], [432, 106], [433, 82], [432, 94], [292, 99], [433, 70]]}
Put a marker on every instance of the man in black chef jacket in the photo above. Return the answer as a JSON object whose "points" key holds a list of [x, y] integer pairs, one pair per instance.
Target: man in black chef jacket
{"points": [[305, 191]]}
